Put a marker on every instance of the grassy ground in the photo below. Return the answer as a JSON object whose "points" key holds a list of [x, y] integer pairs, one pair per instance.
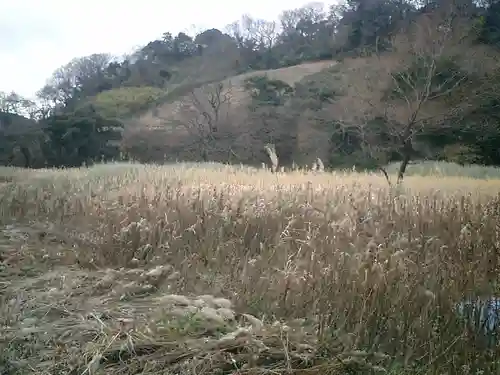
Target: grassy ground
{"points": [[443, 169], [207, 269]]}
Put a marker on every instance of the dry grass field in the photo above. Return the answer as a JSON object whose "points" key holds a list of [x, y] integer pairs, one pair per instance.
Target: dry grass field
{"points": [[210, 269]]}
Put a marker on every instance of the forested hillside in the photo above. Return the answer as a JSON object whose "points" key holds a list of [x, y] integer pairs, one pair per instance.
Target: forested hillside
{"points": [[362, 83]]}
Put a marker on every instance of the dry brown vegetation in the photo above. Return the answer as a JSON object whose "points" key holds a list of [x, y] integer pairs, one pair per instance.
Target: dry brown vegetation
{"points": [[167, 126], [417, 102], [208, 269], [168, 115]]}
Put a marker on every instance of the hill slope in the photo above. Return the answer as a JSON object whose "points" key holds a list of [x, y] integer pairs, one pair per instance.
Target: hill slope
{"points": [[167, 115], [215, 120], [174, 126]]}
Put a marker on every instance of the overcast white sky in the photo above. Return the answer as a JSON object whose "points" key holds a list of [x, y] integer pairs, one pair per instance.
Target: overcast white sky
{"points": [[36, 37]]}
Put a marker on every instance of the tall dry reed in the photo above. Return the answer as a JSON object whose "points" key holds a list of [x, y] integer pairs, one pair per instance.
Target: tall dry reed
{"points": [[371, 269]]}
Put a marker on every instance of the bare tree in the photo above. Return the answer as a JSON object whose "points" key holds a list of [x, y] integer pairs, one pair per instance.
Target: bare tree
{"points": [[292, 20], [205, 115], [306, 26], [254, 37], [415, 86], [254, 33]]}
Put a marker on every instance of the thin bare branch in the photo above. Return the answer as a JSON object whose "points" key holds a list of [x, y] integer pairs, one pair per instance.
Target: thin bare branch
{"points": [[416, 84]]}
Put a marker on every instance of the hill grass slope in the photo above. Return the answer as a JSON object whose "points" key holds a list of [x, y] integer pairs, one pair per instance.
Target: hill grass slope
{"points": [[168, 124], [165, 115], [173, 123]]}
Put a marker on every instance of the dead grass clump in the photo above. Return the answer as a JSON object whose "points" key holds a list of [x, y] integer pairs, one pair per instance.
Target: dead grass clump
{"points": [[209, 269], [62, 326]]}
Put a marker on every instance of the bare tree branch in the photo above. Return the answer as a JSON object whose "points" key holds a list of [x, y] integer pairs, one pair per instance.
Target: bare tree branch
{"points": [[205, 115], [416, 84]]}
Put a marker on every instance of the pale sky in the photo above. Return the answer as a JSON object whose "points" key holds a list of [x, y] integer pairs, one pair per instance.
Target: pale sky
{"points": [[37, 37]]}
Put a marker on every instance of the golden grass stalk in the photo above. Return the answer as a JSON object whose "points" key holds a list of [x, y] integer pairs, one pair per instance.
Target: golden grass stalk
{"points": [[192, 267]]}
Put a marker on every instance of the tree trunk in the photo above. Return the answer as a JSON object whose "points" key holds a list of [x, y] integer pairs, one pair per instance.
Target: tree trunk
{"points": [[407, 152], [27, 157]]}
